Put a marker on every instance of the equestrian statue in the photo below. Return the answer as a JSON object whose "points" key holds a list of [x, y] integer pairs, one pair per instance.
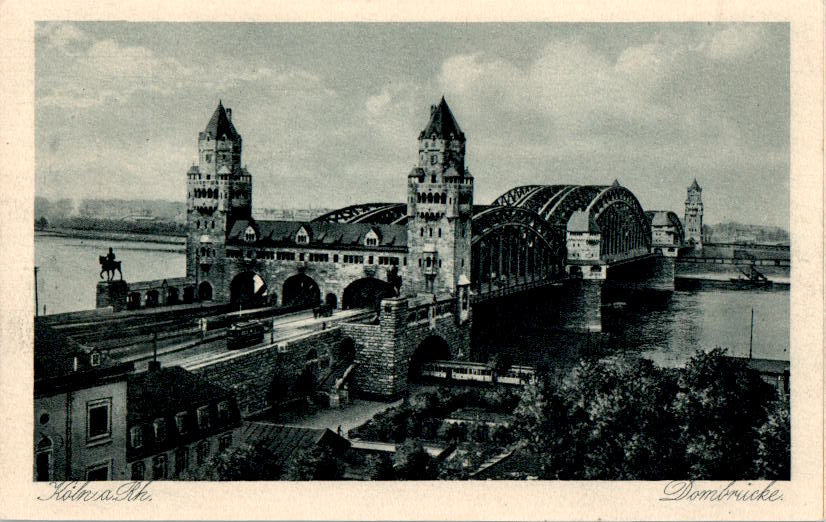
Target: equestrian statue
{"points": [[109, 265]]}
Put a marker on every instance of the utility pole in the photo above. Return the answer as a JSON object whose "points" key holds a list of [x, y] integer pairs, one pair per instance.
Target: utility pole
{"points": [[751, 332], [36, 301]]}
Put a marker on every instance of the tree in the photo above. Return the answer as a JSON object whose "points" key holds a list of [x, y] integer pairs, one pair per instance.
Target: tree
{"points": [[773, 460], [720, 407], [604, 420], [411, 462], [315, 463], [379, 467], [245, 462]]}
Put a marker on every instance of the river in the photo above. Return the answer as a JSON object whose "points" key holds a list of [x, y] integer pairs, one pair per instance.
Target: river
{"points": [[667, 326], [69, 270]]}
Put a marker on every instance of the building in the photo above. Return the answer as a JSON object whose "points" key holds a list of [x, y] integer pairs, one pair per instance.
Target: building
{"points": [[233, 257], [176, 421], [667, 235], [694, 215], [80, 402]]}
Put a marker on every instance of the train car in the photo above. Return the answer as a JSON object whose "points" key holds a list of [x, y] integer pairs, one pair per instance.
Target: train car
{"points": [[243, 334], [517, 375], [475, 372]]}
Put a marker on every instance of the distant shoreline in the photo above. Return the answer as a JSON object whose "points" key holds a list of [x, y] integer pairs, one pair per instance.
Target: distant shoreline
{"points": [[113, 236]]}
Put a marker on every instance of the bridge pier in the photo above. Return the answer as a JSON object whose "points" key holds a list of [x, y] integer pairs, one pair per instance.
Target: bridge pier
{"points": [[584, 307], [653, 271]]}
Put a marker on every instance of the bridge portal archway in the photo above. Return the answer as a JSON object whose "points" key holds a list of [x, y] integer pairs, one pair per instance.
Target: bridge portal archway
{"points": [[205, 291], [248, 289], [301, 289], [431, 348], [366, 292]]}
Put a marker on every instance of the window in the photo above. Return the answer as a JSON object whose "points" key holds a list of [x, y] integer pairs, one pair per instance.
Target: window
{"points": [[433, 178], [181, 461], [440, 232], [159, 467], [249, 235], [43, 460], [225, 442], [203, 417], [301, 256], [223, 412], [181, 423], [335, 258], [369, 260], [302, 238], [202, 452], [160, 429], [136, 437], [209, 158], [98, 472], [98, 421], [138, 470], [95, 358]]}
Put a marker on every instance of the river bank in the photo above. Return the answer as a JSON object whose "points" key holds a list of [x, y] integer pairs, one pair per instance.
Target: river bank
{"points": [[112, 236]]}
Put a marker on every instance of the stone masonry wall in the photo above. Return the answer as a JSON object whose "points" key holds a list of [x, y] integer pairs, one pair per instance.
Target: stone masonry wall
{"points": [[250, 375]]}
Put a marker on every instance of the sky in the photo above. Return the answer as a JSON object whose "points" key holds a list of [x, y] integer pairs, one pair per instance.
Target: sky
{"points": [[330, 113]]}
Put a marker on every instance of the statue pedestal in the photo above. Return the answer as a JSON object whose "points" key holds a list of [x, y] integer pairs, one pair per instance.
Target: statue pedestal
{"points": [[112, 293]]}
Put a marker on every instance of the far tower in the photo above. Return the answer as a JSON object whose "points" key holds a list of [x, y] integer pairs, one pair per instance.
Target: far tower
{"points": [[439, 208], [694, 215]]}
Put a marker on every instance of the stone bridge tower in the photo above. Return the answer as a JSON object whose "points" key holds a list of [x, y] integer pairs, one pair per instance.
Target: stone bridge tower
{"points": [[219, 191], [694, 215], [439, 209]]}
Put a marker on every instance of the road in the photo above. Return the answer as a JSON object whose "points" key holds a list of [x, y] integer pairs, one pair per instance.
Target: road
{"points": [[194, 352]]}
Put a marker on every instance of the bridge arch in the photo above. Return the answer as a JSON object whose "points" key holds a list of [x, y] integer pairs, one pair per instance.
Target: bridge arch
{"points": [[205, 291], [300, 289], [431, 348], [514, 245], [366, 292], [248, 289]]}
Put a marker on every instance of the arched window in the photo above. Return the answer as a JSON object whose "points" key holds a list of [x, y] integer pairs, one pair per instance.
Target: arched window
{"points": [[444, 198], [430, 197], [43, 459], [421, 232], [213, 225]]}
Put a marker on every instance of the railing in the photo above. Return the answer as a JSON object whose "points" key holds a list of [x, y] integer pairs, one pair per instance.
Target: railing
{"points": [[422, 311]]}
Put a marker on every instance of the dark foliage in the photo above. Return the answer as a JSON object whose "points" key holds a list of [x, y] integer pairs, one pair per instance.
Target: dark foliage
{"points": [[628, 419], [316, 463]]}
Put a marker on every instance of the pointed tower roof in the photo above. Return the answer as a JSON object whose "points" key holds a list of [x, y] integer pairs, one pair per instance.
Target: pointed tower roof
{"points": [[695, 185], [220, 125], [442, 123]]}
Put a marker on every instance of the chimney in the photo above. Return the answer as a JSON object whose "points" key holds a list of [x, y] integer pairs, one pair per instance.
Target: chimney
{"points": [[229, 114]]}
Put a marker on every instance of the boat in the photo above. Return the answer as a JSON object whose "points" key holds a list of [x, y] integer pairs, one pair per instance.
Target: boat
{"points": [[751, 278]]}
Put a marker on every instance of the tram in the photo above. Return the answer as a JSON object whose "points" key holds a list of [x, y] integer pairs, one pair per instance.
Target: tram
{"points": [[243, 334], [476, 372]]}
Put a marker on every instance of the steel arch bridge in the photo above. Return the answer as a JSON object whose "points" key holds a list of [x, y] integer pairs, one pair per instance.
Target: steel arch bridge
{"points": [[623, 228], [533, 234]]}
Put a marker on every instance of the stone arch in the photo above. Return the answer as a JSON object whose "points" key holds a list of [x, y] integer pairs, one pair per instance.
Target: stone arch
{"points": [[205, 291], [366, 292], [248, 289], [172, 295], [152, 298], [331, 300], [431, 348], [300, 289], [346, 350]]}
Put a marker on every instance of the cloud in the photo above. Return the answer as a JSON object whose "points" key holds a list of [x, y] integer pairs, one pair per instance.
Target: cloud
{"points": [[64, 37], [734, 41]]}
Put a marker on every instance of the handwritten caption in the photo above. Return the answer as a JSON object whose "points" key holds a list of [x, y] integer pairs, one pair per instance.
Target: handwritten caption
{"points": [[687, 491], [76, 491]]}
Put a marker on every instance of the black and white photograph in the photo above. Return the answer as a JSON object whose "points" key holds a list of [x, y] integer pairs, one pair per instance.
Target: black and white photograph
{"points": [[409, 252]]}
